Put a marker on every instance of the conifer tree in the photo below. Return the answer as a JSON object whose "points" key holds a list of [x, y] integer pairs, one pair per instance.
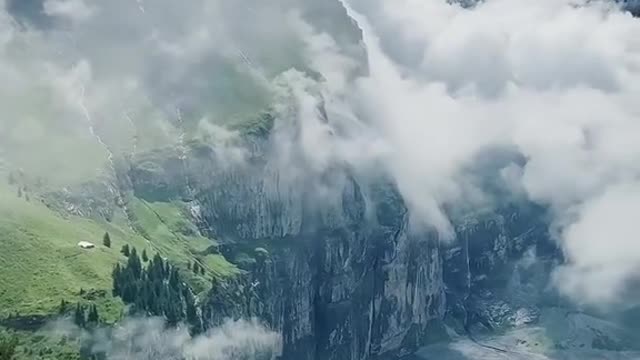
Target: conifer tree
{"points": [[115, 274], [156, 290], [63, 307], [134, 263], [106, 240], [125, 250], [93, 316], [78, 316]]}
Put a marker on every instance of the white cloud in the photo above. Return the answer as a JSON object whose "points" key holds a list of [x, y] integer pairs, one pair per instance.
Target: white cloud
{"points": [[76, 10], [603, 247], [152, 339], [551, 79]]}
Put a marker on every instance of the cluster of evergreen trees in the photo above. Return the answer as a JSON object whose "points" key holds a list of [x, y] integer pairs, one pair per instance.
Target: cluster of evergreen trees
{"points": [[83, 315], [86, 316], [156, 290]]}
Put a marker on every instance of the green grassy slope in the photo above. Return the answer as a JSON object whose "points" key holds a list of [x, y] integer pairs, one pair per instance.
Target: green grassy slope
{"points": [[178, 239], [41, 264]]}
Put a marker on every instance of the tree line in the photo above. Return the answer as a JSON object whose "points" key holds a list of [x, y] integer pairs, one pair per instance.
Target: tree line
{"points": [[155, 290]]}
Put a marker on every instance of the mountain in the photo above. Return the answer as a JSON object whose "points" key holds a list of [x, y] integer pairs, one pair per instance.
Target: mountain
{"points": [[231, 171]]}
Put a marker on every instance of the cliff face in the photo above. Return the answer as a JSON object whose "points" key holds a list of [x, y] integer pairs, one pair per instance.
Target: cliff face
{"points": [[333, 264], [343, 280], [496, 272]]}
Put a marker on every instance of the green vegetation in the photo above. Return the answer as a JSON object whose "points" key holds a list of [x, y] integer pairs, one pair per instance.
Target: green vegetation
{"points": [[125, 250], [179, 239], [41, 263], [43, 344], [8, 345], [86, 316], [157, 289], [106, 240], [45, 274]]}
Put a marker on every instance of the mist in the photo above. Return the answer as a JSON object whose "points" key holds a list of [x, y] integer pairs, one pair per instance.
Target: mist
{"points": [[151, 338], [553, 81]]}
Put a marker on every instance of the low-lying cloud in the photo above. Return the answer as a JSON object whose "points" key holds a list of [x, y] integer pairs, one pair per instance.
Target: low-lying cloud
{"points": [[555, 81], [152, 339]]}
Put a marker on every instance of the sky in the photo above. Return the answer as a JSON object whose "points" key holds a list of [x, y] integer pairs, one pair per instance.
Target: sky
{"points": [[439, 86]]}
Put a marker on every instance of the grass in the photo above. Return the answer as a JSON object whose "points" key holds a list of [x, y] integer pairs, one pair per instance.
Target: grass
{"points": [[46, 344], [41, 264], [164, 224], [178, 239]]}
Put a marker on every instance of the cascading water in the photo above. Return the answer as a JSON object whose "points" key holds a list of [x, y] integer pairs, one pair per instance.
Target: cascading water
{"points": [[110, 156], [134, 144], [182, 150], [89, 120], [379, 64]]}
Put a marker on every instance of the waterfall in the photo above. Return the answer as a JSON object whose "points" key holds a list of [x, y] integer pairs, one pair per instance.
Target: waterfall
{"points": [[110, 156], [381, 68], [92, 131], [134, 145], [182, 150]]}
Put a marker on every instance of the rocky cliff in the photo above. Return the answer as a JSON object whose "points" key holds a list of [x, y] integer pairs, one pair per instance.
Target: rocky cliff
{"points": [[349, 281], [332, 261]]}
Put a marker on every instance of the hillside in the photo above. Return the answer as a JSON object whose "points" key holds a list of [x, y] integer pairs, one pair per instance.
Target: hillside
{"points": [[41, 263]]}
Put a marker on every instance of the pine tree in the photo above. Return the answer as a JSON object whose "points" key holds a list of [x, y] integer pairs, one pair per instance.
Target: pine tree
{"points": [[93, 316], [63, 307], [125, 250], [145, 258], [116, 274], [174, 279], [134, 263], [196, 268], [156, 289], [106, 240], [201, 270], [78, 316]]}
